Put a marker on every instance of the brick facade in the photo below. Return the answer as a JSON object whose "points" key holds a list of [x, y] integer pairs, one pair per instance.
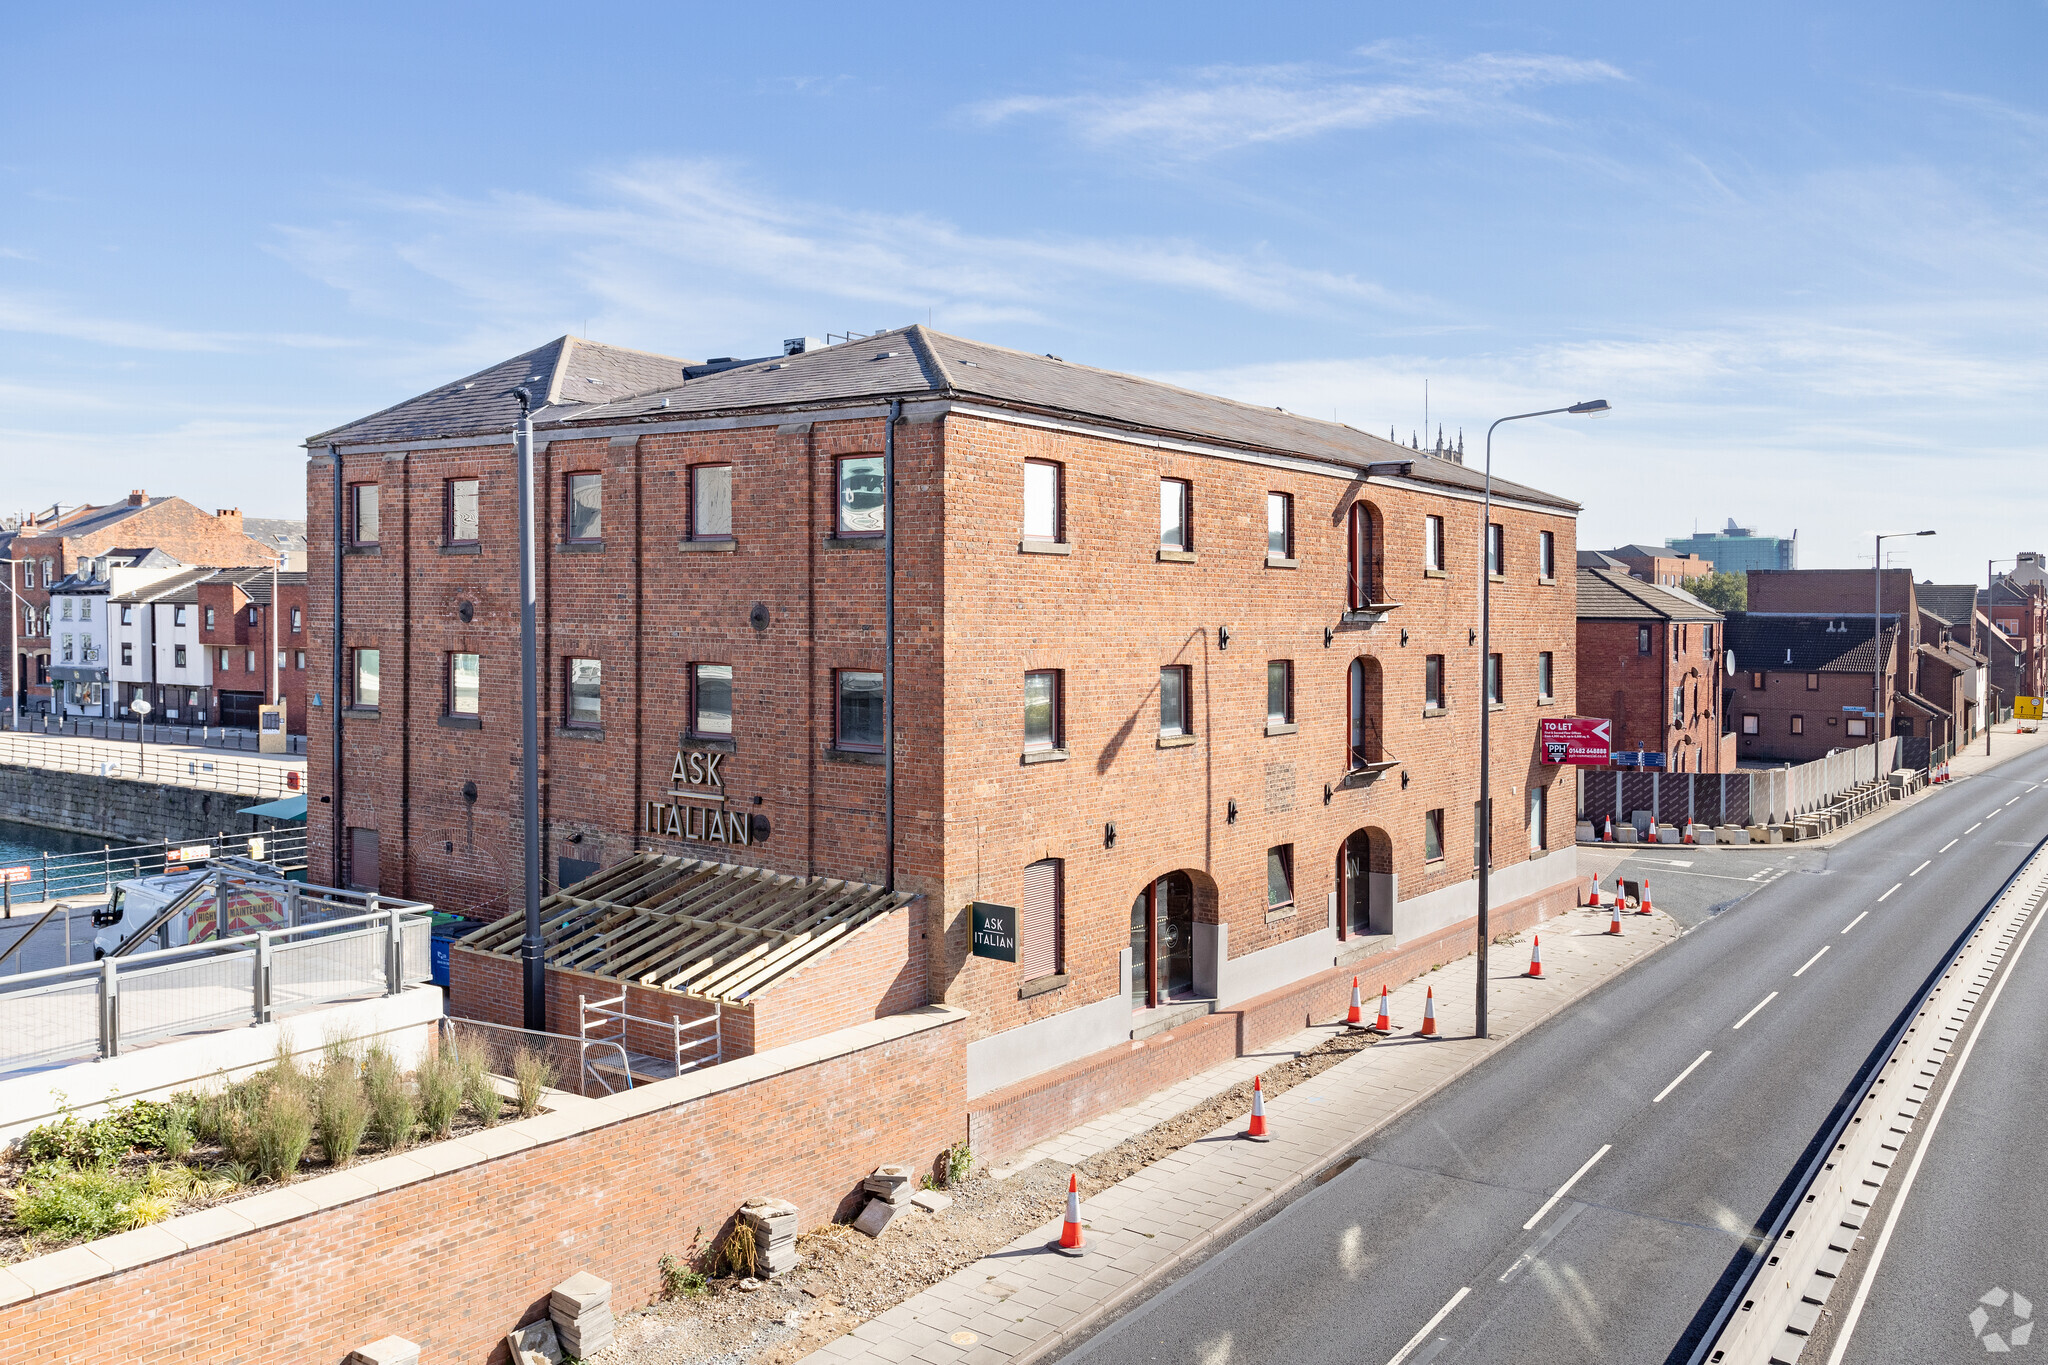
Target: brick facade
{"points": [[251, 667]]}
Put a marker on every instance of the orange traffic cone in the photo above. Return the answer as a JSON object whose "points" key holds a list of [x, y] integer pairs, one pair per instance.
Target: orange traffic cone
{"points": [[1607, 834], [1070, 1231], [1256, 1131], [1643, 906], [1614, 927], [1356, 1016], [1536, 956], [1688, 833], [1383, 1024], [1429, 1014]]}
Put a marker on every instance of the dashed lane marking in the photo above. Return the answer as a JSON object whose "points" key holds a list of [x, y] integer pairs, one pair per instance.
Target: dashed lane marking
{"points": [[1551, 1202], [1537, 1247], [1754, 1008], [1854, 922], [1922, 868], [1974, 828], [1429, 1326], [1682, 1075], [1809, 962], [1895, 886], [1949, 845]]}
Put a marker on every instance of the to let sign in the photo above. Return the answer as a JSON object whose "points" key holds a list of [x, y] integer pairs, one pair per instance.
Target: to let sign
{"points": [[1581, 740], [995, 931]]}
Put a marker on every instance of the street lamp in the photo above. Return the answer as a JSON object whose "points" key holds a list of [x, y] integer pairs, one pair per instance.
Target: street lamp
{"points": [[1877, 628], [140, 706], [1589, 408]]}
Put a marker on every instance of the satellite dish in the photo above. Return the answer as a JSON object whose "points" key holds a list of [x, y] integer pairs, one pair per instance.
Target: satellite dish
{"points": [[1728, 658]]}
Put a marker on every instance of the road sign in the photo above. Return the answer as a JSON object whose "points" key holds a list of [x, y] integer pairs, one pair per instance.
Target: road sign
{"points": [[1581, 740], [9, 875], [2026, 708], [995, 931], [1637, 758], [190, 853]]}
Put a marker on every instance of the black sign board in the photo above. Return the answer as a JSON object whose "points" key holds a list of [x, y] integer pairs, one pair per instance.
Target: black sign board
{"points": [[995, 931]]}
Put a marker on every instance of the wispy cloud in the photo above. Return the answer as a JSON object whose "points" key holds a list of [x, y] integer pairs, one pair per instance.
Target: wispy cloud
{"points": [[1220, 107], [42, 317]]}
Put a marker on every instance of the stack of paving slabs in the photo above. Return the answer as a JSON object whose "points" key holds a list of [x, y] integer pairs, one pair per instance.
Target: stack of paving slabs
{"points": [[386, 1351], [581, 1307], [774, 1225], [890, 1186]]}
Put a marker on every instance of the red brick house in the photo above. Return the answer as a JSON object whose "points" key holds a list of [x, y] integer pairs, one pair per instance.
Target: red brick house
{"points": [[1191, 684], [1662, 567], [2018, 606], [235, 627], [1650, 661], [1795, 674]]}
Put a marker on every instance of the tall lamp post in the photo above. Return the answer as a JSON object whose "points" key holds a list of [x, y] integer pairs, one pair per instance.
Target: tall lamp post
{"points": [[533, 968], [1592, 406], [1877, 628]]}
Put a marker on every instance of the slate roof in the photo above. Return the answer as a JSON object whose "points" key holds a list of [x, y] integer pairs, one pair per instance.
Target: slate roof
{"points": [[909, 362], [179, 587], [255, 583], [1600, 559], [1761, 643], [1954, 603], [263, 528], [1611, 595], [87, 521]]}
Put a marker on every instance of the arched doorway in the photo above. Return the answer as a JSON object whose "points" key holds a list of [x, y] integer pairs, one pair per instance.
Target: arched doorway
{"points": [[1163, 942], [1365, 884]]}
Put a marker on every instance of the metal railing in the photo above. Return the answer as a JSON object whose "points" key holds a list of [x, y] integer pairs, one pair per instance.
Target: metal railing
{"points": [[502, 1043], [93, 727], [165, 768], [611, 1013], [338, 945], [52, 875]]}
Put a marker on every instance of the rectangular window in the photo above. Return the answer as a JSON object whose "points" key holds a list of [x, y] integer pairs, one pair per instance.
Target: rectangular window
{"points": [[1546, 555], [362, 859], [1496, 549], [366, 677], [1280, 525], [1042, 709], [1433, 543], [1042, 501], [1799, 725], [1706, 642], [295, 620], [1813, 682], [1279, 691], [248, 661], [177, 656], [67, 609], [1433, 836], [127, 654], [1173, 701], [1756, 682], [1859, 728], [711, 502], [1173, 515], [459, 520], [28, 573], [861, 509], [223, 662], [1041, 920], [1749, 725], [1433, 682], [252, 615], [585, 507], [1543, 691], [49, 573], [1279, 877], [1539, 819], [127, 615], [1642, 640], [177, 616], [362, 501], [859, 724], [209, 618], [299, 659], [67, 649], [1494, 683], [465, 684], [586, 693], [711, 706], [85, 609]]}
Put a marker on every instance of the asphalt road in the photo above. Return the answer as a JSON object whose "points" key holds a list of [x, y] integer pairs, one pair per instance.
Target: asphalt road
{"points": [[1964, 1228], [1590, 1193]]}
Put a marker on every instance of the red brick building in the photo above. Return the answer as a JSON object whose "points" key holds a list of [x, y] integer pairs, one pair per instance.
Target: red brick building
{"points": [[2018, 606], [1193, 684], [1650, 661], [49, 545], [235, 627], [1793, 675], [1662, 567]]}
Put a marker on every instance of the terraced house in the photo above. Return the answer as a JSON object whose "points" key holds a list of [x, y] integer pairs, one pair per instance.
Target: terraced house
{"points": [[1188, 688]]}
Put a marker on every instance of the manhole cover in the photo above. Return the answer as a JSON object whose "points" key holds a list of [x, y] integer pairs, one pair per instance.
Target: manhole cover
{"points": [[963, 1338]]}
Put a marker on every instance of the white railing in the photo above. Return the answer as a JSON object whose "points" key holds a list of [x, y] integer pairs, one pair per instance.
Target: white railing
{"points": [[160, 767], [325, 954], [132, 731], [611, 1013], [54, 875]]}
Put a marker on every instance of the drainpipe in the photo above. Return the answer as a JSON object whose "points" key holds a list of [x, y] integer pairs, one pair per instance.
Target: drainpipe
{"points": [[334, 680], [889, 645], [533, 970]]}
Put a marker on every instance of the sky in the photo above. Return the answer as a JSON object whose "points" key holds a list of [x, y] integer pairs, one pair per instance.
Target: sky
{"points": [[1802, 250]]}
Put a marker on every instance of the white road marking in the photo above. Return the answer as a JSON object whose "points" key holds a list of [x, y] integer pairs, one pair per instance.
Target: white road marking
{"points": [[1429, 1326], [1809, 962], [1854, 922], [1891, 1221], [1974, 828], [1949, 845], [1922, 868], [1759, 1005], [1562, 1190], [2009, 803], [1992, 816], [1536, 1248], [1895, 886], [1681, 1076]]}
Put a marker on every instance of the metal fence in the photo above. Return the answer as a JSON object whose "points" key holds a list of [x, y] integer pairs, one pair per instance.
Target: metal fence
{"points": [[90, 727], [163, 767], [1751, 796], [54, 875], [340, 945]]}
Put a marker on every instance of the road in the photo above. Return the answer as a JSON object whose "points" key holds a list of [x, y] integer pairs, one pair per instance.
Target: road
{"points": [[1589, 1193]]}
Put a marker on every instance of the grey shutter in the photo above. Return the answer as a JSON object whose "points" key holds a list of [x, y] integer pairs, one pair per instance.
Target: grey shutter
{"points": [[1039, 917]]}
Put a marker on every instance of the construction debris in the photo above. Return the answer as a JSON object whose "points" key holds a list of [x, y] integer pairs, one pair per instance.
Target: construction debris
{"points": [[774, 1223], [889, 1182], [581, 1309], [386, 1351], [931, 1201], [876, 1217], [534, 1344]]}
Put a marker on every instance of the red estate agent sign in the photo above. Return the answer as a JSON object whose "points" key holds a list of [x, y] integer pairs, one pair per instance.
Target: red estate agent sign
{"points": [[1579, 740]]}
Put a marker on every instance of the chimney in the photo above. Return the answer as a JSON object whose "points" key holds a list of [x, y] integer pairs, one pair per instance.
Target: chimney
{"points": [[231, 515], [137, 498]]}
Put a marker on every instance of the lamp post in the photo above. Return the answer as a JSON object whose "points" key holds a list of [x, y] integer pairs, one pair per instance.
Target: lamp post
{"points": [[1592, 406], [1877, 628], [141, 709], [533, 969]]}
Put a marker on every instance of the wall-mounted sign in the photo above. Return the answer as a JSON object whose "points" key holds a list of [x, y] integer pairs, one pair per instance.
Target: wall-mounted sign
{"points": [[1638, 759], [700, 814], [1581, 740], [995, 931]]}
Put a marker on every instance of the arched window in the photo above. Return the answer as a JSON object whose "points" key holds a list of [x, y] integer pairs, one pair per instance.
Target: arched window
{"points": [[1363, 557]]}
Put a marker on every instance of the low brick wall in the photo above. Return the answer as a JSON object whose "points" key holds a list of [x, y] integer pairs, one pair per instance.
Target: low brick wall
{"points": [[453, 1260], [141, 812], [1005, 1122]]}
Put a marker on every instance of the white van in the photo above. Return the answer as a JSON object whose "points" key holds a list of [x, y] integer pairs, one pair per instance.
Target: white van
{"points": [[255, 900]]}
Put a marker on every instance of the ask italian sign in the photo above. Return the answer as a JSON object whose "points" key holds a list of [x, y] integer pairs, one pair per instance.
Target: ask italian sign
{"points": [[995, 931], [1581, 740]]}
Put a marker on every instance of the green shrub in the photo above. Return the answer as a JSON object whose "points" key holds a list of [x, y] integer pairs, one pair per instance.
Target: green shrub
{"points": [[532, 1071], [678, 1281], [478, 1091], [440, 1083], [104, 1140], [394, 1109], [959, 1162], [69, 1202], [178, 1138], [342, 1111], [283, 1128]]}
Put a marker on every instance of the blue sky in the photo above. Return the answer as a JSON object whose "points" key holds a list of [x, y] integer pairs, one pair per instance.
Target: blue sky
{"points": [[1800, 248]]}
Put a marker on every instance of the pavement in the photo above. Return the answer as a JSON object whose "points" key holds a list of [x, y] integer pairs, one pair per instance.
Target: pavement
{"points": [[1026, 1300]]}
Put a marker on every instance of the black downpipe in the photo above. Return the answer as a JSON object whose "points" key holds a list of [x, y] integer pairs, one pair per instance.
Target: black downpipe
{"points": [[889, 644], [334, 682]]}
